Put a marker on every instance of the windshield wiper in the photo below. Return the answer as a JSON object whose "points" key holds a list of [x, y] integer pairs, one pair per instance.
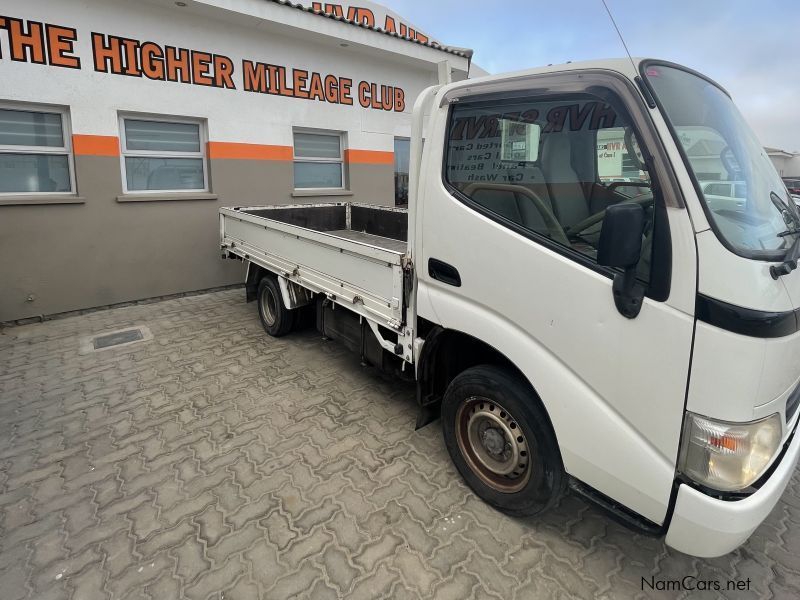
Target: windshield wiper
{"points": [[789, 263]]}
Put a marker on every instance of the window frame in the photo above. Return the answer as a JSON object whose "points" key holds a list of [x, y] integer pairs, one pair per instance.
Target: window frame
{"points": [[125, 153], [65, 150], [667, 192], [698, 189], [394, 166], [313, 159]]}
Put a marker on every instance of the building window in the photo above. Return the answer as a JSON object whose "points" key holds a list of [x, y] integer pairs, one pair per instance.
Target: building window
{"points": [[402, 154], [163, 155], [35, 151], [318, 160]]}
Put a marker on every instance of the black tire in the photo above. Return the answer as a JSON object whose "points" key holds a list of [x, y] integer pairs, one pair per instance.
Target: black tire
{"points": [[276, 319], [501, 410]]}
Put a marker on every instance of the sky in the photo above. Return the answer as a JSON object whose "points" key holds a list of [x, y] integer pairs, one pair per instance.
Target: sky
{"points": [[750, 47]]}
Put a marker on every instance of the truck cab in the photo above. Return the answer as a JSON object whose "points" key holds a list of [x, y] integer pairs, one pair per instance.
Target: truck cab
{"points": [[670, 377], [572, 300]]}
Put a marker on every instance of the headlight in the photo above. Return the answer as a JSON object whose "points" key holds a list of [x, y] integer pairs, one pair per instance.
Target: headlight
{"points": [[728, 456]]}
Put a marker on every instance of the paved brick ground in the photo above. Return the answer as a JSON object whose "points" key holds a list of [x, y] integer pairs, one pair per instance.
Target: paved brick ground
{"points": [[215, 462]]}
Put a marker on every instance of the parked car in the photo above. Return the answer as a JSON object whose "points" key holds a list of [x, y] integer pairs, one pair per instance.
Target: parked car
{"points": [[793, 185], [725, 194]]}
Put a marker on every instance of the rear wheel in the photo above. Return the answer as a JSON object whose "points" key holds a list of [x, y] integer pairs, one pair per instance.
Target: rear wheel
{"points": [[276, 319], [501, 441]]}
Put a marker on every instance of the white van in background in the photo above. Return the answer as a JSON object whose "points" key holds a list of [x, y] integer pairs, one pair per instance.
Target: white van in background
{"points": [[721, 195]]}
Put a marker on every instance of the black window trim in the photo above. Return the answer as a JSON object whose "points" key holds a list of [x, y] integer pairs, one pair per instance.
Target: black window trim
{"points": [[658, 288], [760, 255]]}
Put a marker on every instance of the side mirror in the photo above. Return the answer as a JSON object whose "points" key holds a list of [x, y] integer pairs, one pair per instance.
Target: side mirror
{"points": [[621, 236], [620, 247]]}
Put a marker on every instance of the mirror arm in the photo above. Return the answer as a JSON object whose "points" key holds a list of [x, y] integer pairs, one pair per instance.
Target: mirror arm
{"points": [[628, 293]]}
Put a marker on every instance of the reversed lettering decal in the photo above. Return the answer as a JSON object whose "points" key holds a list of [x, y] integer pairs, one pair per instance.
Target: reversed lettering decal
{"points": [[475, 145], [570, 117]]}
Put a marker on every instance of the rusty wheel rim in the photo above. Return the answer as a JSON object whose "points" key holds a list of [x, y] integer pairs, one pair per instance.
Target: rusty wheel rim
{"points": [[492, 443]]}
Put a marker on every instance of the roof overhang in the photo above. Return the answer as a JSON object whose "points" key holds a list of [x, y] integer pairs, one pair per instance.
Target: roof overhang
{"points": [[780, 153], [283, 18]]}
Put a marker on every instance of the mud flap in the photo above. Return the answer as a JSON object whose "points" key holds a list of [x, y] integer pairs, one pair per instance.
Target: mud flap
{"points": [[427, 414], [429, 409]]}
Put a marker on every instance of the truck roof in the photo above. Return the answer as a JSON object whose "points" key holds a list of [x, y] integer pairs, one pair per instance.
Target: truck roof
{"points": [[620, 65]]}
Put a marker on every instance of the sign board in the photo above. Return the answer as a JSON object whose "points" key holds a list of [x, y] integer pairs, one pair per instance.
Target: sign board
{"points": [[55, 45], [519, 142], [372, 14]]}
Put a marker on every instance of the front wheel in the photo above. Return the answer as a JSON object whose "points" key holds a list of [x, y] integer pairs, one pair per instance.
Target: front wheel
{"points": [[501, 441], [276, 319]]}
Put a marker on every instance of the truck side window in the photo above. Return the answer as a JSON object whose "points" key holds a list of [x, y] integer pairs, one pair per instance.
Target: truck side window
{"points": [[549, 167]]}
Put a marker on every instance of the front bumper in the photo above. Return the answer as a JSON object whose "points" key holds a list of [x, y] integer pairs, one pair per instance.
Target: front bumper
{"points": [[707, 527]]}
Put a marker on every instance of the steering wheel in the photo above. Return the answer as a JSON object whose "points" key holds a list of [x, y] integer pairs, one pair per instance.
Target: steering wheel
{"points": [[634, 152], [554, 229], [645, 200]]}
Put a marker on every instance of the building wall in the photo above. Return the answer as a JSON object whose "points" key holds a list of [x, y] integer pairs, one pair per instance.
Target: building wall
{"points": [[786, 165], [779, 162], [105, 247], [793, 166]]}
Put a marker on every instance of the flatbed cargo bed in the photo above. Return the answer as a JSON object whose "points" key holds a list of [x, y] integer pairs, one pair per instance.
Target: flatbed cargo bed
{"points": [[378, 226], [351, 252]]}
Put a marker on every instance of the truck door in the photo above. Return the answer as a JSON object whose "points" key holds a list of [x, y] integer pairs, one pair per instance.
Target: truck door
{"points": [[511, 207]]}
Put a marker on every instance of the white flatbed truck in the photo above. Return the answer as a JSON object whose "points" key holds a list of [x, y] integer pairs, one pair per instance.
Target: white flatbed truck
{"points": [[629, 340]]}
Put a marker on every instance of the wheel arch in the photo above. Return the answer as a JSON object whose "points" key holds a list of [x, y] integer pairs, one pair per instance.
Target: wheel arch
{"points": [[255, 273], [598, 446], [449, 352]]}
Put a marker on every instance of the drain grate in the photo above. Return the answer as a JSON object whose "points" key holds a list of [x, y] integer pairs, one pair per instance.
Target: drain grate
{"points": [[117, 338]]}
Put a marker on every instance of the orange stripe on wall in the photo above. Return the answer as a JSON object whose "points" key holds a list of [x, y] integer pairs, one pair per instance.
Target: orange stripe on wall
{"points": [[369, 157], [108, 145], [240, 151], [234, 150], [95, 145]]}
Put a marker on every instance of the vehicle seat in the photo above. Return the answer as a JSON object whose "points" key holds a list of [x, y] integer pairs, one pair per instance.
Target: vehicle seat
{"points": [[569, 201], [510, 201]]}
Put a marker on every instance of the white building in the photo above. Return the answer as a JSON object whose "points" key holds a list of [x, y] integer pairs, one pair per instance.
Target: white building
{"points": [[124, 126], [786, 163]]}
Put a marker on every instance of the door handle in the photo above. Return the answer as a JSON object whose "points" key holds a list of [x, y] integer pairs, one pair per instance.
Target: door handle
{"points": [[444, 272]]}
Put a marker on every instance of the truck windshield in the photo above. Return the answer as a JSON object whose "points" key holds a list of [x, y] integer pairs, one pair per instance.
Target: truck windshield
{"points": [[745, 198]]}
